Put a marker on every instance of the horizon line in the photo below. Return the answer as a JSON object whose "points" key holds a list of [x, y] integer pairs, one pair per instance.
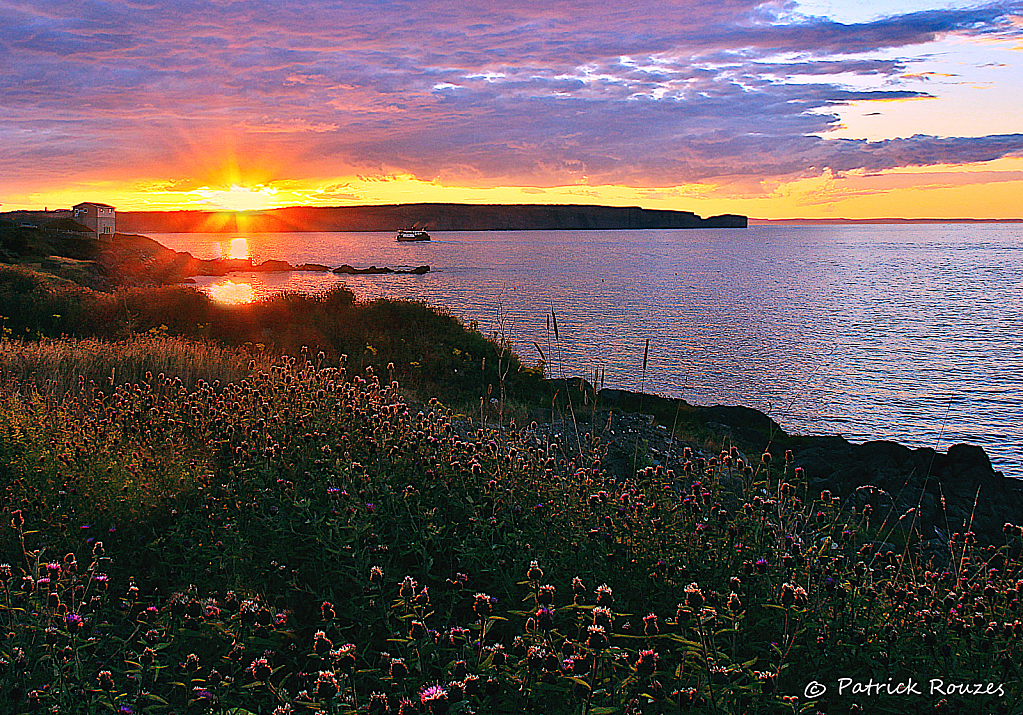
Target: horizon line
{"points": [[751, 219]]}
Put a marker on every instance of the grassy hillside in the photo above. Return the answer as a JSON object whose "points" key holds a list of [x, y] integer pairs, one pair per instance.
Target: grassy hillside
{"points": [[424, 348], [239, 510], [301, 540]]}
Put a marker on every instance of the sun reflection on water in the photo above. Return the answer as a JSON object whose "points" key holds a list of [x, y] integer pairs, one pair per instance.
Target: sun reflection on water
{"points": [[239, 248], [232, 293]]}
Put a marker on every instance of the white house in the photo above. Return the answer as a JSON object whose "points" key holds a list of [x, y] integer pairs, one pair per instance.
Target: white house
{"points": [[101, 218]]}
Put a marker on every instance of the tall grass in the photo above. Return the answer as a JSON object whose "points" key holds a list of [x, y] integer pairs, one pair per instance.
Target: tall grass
{"points": [[427, 349], [59, 365]]}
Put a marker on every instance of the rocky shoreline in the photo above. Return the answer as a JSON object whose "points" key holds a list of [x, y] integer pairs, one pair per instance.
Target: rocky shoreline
{"points": [[130, 260], [137, 259], [918, 493]]}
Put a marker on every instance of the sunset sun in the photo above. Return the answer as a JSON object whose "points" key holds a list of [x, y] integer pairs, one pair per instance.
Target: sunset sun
{"points": [[240, 198]]}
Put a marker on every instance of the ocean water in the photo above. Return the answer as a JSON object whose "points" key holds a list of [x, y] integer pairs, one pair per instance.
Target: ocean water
{"points": [[912, 333]]}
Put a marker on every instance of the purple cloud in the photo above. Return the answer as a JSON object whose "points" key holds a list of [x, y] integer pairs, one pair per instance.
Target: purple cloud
{"points": [[648, 93]]}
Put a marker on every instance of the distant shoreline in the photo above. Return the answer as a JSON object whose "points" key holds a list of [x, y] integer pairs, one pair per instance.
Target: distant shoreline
{"points": [[855, 221], [428, 216]]}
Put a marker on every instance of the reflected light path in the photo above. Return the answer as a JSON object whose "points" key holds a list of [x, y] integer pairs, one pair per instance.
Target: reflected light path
{"points": [[239, 248], [232, 293]]}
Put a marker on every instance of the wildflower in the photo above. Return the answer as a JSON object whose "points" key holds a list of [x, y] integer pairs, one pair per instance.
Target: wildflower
{"points": [[734, 604], [260, 669], [535, 573], [417, 630], [376, 574], [497, 651], [321, 644], [204, 697], [596, 637], [408, 588], [602, 617], [518, 647], [545, 596], [343, 658], [535, 657], [482, 605], [545, 618], [106, 680], [694, 596], [398, 669], [604, 597], [650, 627], [378, 703], [788, 595], [73, 622], [434, 698], [647, 662], [326, 685]]}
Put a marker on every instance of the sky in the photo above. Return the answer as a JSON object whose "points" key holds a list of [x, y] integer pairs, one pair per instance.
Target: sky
{"points": [[782, 109]]}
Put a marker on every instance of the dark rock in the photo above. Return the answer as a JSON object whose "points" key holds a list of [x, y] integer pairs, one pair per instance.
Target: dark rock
{"points": [[346, 269], [274, 266], [920, 491], [935, 493]]}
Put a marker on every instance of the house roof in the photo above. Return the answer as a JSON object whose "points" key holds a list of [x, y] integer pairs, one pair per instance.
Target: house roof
{"points": [[94, 203]]}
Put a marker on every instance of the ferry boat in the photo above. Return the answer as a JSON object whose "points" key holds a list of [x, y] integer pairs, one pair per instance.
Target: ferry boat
{"points": [[412, 234]]}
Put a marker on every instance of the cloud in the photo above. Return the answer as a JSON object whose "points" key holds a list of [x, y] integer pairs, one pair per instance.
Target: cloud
{"points": [[648, 93]]}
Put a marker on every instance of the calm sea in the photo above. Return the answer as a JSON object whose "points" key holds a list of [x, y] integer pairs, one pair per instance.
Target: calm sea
{"points": [[912, 333]]}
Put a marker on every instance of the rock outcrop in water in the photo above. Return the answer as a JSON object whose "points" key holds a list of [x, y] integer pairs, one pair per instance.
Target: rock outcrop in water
{"points": [[136, 259]]}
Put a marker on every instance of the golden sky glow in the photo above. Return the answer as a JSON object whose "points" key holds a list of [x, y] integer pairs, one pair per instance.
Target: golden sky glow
{"points": [[819, 108]]}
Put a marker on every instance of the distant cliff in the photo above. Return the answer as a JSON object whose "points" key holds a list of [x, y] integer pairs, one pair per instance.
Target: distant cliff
{"points": [[432, 217]]}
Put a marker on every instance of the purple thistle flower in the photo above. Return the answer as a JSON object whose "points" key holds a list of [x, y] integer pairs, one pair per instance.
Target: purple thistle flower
{"points": [[432, 691], [434, 697]]}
